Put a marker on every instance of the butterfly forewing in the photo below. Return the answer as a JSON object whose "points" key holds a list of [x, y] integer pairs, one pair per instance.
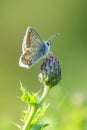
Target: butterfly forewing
{"points": [[31, 39]]}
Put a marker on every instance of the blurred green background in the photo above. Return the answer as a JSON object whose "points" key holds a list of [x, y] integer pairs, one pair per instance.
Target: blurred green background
{"points": [[67, 17]]}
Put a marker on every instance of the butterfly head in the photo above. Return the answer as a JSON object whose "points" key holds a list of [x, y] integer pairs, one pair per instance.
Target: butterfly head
{"points": [[48, 44]]}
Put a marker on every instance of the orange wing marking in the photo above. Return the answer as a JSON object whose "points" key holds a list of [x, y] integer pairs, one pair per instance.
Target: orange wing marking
{"points": [[26, 61], [28, 39]]}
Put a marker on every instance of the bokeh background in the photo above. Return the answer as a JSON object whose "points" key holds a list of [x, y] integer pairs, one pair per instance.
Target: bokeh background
{"points": [[67, 109]]}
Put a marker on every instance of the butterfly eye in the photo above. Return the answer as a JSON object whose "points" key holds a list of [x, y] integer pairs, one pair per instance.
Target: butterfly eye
{"points": [[48, 43]]}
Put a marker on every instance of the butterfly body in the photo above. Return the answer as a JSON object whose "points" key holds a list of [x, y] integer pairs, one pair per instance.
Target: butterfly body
{"points": [[33, 48]]}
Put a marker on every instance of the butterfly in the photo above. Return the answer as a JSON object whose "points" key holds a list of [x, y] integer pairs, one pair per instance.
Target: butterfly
{"points": [[33, 48]]}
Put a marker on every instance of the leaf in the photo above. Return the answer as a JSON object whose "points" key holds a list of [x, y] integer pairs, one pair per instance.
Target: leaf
{"points": [[27, 97], [38, 115], [39, 126]]}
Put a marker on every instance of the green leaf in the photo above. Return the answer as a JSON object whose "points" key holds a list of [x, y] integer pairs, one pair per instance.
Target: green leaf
{"points": [[39, 126], [27, 97], [38, 115]]}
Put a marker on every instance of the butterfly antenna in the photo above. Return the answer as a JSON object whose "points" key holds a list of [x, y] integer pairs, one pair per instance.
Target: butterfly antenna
{"points": [[55, 35]]}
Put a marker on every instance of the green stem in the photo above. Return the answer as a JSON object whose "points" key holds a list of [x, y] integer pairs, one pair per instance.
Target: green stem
{"points": [[35, 108], [29, 119], [44, 94]]}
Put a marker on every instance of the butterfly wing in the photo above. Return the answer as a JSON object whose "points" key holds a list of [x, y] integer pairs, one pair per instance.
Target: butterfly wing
{"points": [[33, 48], [31, 39]]}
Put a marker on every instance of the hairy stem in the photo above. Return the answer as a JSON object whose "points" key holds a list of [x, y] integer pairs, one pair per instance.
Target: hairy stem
{"points": [[29, 119]]}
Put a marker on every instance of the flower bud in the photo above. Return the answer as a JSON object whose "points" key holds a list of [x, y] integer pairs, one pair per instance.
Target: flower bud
{"points": [[50, 72]]}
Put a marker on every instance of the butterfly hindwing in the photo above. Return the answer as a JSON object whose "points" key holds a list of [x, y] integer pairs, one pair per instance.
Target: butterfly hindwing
{"points": [[30, 57]]}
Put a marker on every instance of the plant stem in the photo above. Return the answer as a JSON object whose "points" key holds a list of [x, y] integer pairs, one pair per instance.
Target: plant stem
{"points": [[35, 108], [44, 94], [29, 119]]}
